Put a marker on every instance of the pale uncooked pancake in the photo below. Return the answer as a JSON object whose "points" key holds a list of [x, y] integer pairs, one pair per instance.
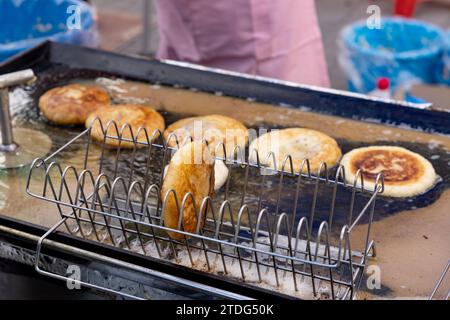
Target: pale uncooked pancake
{"points": [[215, 129], [191, 170], [300, 144], [220, 174], [137, 116], [406, 173], [72, 104]]}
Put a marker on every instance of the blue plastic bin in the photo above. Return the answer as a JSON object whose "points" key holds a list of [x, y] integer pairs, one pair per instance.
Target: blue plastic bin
{"points": [[404, 50], [26, 23], [443, 73]]}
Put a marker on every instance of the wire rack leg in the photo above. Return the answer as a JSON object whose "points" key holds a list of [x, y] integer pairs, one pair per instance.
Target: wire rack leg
{"points": [[63, 278], [439, 283]]}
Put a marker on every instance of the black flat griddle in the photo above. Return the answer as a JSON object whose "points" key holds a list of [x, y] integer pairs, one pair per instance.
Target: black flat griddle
{"points": [[85, 61]]}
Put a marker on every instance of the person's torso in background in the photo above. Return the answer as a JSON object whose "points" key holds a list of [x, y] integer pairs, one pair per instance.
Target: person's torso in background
{"points": [[279, 39]]}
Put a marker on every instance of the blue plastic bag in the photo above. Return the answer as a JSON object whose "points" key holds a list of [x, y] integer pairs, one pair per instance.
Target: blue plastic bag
{"points": [[26, 23], [403, 50]]}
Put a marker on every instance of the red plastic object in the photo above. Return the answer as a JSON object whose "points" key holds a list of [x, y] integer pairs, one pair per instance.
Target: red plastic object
{"points": [[383, 83], [405, 7]]}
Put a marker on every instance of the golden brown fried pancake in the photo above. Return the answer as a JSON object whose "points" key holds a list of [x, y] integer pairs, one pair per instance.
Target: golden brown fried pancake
{"points": [[300, 144], [406, 173], [190, 170], [137, 116], [221, 173], [72, 104], [215, 129]]}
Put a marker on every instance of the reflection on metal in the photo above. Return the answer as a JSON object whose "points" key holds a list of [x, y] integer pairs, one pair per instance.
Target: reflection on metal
{"points": [[18, 147], [29, 144]]}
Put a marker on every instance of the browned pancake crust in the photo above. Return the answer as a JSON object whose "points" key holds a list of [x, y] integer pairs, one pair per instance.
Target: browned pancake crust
{"points": [[406, 173], [190, 170], [72, 104], [398, 167], [136, 116]]}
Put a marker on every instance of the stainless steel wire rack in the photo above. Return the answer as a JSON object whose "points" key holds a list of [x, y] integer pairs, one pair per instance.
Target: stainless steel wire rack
{"points": [[440, 284], [266, 227]]}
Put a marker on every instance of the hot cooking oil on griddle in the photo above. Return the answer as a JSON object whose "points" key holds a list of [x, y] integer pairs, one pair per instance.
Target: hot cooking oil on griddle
{"points": [[177, 103]]}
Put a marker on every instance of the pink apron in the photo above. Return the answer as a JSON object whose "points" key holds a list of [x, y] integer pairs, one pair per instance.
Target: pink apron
{"points": [[279, 39]]}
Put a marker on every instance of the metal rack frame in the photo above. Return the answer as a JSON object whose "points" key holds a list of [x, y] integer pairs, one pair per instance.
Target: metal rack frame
{"points": [[125, 210], [440, 282]]}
